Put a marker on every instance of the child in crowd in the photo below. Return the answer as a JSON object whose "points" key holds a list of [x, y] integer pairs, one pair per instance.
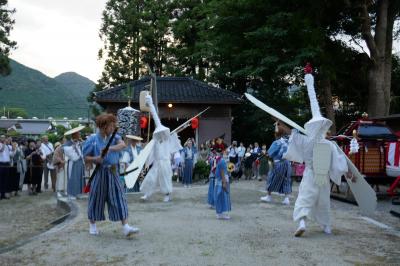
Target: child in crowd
{"points": [[222, 190]]}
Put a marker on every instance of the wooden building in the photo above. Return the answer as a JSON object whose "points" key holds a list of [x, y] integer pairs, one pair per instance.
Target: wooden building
{"points": [[180, 98]]}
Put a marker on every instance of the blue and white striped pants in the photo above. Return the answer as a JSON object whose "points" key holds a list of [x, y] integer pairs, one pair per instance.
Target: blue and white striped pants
{"points": [[279, 178], [106, 188]]}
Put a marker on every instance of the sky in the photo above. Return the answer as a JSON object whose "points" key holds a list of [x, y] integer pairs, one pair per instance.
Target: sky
{"points": [[57, 36]]}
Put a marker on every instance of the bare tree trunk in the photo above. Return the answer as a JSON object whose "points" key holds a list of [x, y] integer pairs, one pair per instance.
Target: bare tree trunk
{"points": [[326, 86], [378, 82], [376, 93]]}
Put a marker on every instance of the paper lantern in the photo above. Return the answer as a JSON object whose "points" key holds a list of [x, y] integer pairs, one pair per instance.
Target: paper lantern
{"points": [[143, 122], [195, 123], [128, 121]]}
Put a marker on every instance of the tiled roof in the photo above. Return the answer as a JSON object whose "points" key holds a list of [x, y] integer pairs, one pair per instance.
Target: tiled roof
{"points": [[25, 127], [172, 90]]}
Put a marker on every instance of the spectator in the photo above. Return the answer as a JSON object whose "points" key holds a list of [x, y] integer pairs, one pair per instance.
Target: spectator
{"points": [[256, 153], [35, 158], [233, 153], [247, 163], [48, 167], [5, 161], [241, 151], [59, 164], [14, 174], [188, 153], [203, 152], [263, 164]]}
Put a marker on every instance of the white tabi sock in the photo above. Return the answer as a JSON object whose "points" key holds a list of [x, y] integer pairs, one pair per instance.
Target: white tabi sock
{"points": [[93, 229]]}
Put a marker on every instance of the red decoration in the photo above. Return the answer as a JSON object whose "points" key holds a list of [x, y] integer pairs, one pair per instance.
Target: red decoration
{"points": [[195, 123], [143, 122], [308, 69]]}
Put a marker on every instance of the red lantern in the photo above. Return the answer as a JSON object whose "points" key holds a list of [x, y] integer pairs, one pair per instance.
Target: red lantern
{"points": [[143, 122], [195, 123]]}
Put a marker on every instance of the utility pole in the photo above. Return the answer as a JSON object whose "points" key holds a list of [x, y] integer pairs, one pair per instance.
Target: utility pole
{"points": [[153, 87]]}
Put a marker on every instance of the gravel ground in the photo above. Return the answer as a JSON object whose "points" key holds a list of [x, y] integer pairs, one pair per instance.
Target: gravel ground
{"points": [[25, 216], [186, 232]]}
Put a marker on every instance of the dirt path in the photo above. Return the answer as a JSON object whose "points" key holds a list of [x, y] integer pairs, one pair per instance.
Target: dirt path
{"points": [[185, 232], [26, 216]]}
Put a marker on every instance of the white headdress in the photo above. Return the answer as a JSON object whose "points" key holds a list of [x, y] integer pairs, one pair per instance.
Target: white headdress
{"points": [[318, 126]]}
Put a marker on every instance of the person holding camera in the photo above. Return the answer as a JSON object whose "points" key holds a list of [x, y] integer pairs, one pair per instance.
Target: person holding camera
{"points": [[48, 167], [34, 158]]}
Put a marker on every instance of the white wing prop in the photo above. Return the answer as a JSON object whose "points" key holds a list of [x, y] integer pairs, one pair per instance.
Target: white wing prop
{"points": [[273, 112], [362, 191], [140, 160], [187, 122], [365, 196]]}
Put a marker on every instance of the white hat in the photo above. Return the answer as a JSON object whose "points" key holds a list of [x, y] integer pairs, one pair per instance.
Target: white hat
{"points": [[134, 137], [57, 144], [74, 130], [318, 125]]}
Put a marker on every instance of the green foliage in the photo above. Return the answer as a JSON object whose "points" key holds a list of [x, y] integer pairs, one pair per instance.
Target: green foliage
{"points": [[257, 45], [15, 112], [201, 171], [60, 129], [134, 34], [6, 45], [53, 138], [42, 96]]}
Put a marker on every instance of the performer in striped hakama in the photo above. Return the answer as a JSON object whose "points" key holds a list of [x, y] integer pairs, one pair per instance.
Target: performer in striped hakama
{"points": [[105, 187], [75, 166], [279, 177], [222, 191]]}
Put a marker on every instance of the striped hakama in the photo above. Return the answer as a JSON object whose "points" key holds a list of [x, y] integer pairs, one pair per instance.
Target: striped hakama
{"points": [[106, 188], [279, 178]]}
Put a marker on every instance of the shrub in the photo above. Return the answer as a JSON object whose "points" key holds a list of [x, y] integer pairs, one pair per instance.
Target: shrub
{"points": [[201, 171]]}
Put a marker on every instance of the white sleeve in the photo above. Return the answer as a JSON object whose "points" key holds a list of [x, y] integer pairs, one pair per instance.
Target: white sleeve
{"points": [[125, 158], [70, 153], [295, 149], [338, 165]]}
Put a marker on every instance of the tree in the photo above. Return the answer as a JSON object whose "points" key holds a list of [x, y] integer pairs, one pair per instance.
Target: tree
{"points": [[374, 22], [121, 35], [16, 112], [135, 34], [6, 45]]}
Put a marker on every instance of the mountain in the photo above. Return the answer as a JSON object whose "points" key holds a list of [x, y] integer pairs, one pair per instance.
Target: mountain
{"points": [[42, 96], [75, 83]]}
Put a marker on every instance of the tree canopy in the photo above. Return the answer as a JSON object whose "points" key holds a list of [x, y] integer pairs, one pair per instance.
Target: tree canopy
{"points": [[261, 46], [6, 45]]}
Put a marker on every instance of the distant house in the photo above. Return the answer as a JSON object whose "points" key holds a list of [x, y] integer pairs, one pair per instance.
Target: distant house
{"points": [[180, 98], [36, 127], [26, 127]]}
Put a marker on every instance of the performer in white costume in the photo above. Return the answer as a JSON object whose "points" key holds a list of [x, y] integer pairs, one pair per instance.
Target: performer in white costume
{"points": [[323, 161], [165, 145]]}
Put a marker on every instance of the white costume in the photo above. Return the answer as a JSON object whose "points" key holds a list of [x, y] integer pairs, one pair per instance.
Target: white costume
{"points": [[165, 145], [320, 156]]}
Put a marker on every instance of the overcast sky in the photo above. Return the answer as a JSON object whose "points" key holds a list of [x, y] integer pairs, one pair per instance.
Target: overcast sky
{"points": [[56, 36]]}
